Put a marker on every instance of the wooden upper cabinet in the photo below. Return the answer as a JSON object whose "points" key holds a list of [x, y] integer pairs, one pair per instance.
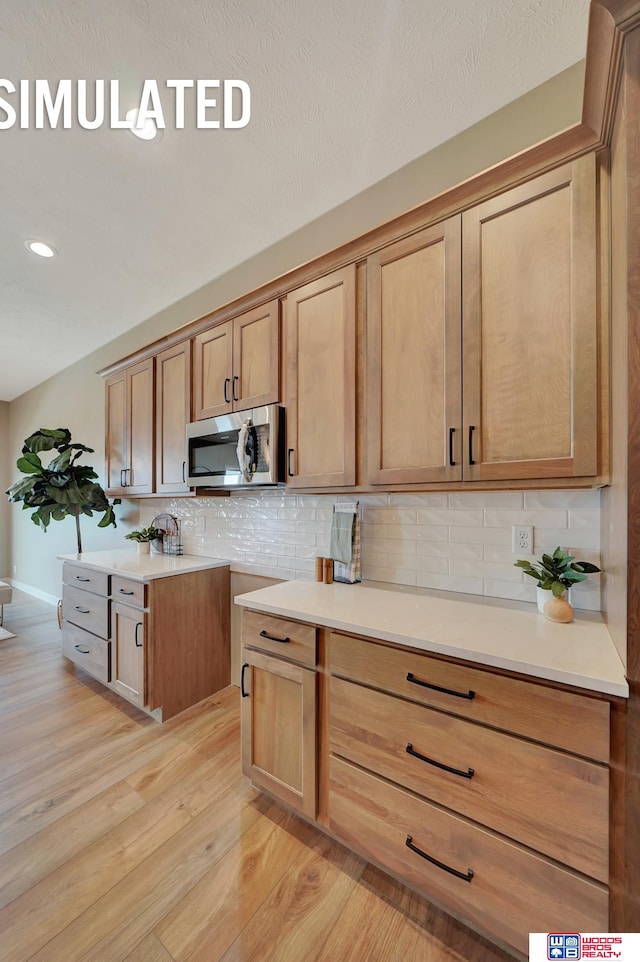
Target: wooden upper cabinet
{"points": [[129, 448], [173, 413], [116, 431], [529, 330], [237, 364], [256, 357], [413, 411], [213, 358], [321, 381]]}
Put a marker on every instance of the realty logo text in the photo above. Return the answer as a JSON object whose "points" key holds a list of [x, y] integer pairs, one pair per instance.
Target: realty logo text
{"points": [[565, 945], [40, 104]]}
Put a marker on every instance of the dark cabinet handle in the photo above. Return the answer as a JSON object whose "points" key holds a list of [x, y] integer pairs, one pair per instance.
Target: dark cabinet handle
{"points": [[445, 768], [184, 472], [289, 453], [233, 387], [79, 578], [83, 651], [123, 592], [122, 481], [227, 382], [138, 643], [472, 428], [83, 611], [465, 876], [283, 641], [445, 691], [452, 431], [127, 481], [245, 694]]}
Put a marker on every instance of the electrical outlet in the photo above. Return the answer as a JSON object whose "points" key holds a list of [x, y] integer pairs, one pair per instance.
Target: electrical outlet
{"points": [[522, 538]]}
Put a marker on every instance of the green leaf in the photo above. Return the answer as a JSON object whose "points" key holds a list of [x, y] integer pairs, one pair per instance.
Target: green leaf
{"points": [[574, 576], [557, 588], [585, 566]]}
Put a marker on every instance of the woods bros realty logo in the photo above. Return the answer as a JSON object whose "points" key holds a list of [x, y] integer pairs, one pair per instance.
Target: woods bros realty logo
{"points": [[40, 104], [623, 947]]}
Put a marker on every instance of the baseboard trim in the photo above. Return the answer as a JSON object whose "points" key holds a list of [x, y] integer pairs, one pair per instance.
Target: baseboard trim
{"points": [[35, 592]]}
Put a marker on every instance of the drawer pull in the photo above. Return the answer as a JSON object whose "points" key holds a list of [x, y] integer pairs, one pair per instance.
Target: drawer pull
{"points": [[445, 691], [282, 641], [79, 578], [83, 651], [138, 643], [465, 876], [245, 694], [83, 611], [445, 768], [123, 592]]}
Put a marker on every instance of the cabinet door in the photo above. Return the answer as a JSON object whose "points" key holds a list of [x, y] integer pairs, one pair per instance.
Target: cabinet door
{"points": [[213, 359], [321, 381], [256, 357], [279, 729], [128, 629], [173, 413], [140, 430], [530, 345], [116, 432], [413, 359]]}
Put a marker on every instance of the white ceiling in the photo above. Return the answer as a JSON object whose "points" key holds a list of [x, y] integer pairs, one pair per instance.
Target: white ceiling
{"points": [[343, 93]]}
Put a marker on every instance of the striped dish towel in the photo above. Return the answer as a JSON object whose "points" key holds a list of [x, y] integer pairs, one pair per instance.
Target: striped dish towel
{"points": [[349, 573]]}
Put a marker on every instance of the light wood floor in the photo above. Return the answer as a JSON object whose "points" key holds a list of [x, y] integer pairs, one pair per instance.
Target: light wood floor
{"points": [[123, 839]]}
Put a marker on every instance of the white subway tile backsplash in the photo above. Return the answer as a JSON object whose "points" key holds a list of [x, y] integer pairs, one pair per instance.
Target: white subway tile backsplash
{"points": [[450, 549], [470, 586], [450, 516], [389, 515], [435, 500], [542, 519], [484, 569], [481, 535], [589, 498], [457, 541], [486, 499], [580, 518]]}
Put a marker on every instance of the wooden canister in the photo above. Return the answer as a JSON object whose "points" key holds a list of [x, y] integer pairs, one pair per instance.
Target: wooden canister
{"points": [[328, 571], [319, 569]]}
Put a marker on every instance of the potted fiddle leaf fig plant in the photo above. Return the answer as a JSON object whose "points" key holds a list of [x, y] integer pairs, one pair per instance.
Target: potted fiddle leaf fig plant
{"points": [[556, 573], [63, 487]]}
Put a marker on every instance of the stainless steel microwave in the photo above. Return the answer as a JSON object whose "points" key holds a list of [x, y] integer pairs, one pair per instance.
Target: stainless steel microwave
{"points": [[237, 450]]}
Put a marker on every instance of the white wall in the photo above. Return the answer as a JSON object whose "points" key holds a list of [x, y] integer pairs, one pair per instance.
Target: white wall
{"points": [[75, 397], [5, 481], [455, 542]]}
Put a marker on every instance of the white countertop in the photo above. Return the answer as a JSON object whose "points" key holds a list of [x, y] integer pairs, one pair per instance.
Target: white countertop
{"points": [[504, 635], [144, 567]]}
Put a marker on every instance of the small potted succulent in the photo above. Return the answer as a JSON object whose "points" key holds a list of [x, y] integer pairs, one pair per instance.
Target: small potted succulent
{"points": [[144, 537], [556, 573]]}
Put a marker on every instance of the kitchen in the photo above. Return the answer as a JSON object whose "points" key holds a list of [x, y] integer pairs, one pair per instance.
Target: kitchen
{"points": [[446, 513]]}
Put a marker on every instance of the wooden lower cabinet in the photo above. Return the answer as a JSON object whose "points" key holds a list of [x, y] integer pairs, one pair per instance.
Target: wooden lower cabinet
{"points": [[498, 886], [163, 644], [449, 776], [128, 645], [279, 729]]}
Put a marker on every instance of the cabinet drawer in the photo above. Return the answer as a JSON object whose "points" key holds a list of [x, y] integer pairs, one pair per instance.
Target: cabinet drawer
{"points": [[86, 610], [128, 592], [574, 722], [512, 891], [555, 803], [289, 639], [85, 578], [87, 651]]}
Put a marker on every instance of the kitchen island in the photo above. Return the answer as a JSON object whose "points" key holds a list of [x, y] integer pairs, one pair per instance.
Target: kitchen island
{"points": [[153, 628]]}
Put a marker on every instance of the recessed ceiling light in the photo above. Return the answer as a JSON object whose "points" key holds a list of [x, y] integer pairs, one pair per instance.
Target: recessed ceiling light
{"points": [[148, 131], [39, 247]]}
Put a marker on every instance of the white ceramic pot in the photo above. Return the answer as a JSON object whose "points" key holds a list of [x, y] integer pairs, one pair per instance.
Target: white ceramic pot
{"points": [[143, 547], [543, 595]]}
